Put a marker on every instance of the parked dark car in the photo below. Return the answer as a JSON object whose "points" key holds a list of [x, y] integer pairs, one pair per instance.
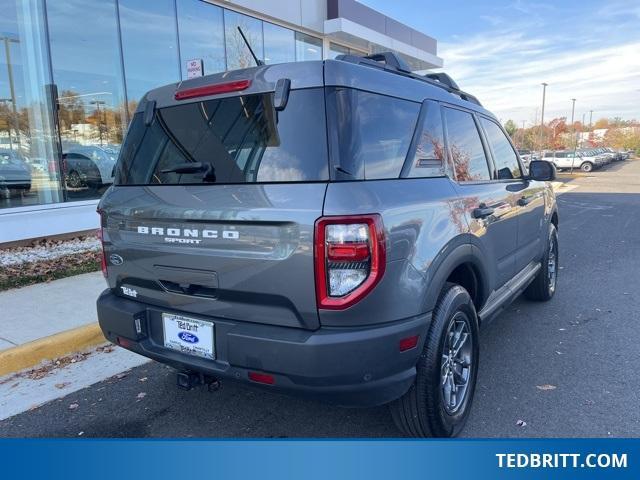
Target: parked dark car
{"points": [[334, 229], [15, 173]]}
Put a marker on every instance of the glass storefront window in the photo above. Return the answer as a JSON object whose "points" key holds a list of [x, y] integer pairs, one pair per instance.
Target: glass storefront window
{"points": [[91, 102], [279, 44], [238, 55], [201, 32], [149, 46], [308, 47], [28, 164], [335, 50]]}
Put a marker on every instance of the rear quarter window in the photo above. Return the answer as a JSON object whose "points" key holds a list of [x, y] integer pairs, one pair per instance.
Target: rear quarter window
{"points": [[373, 132]]}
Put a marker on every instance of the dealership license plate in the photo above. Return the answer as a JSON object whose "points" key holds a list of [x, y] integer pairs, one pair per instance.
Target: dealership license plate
{"points": [[188, 335]]}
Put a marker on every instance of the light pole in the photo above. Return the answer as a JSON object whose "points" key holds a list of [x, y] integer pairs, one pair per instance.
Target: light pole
{"points": [[97, 103], [544, 91], [573, 132], [7, 100], [590, 118], [7, 51]]}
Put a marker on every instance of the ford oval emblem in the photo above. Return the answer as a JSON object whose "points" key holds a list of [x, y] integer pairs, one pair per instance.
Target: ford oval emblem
{"points": [[116, 259], [188, 337]]}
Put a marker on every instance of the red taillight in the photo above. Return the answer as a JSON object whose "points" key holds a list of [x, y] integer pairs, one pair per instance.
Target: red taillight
{"points": [[409, 343], [262, 378], [350, 259], [206, 90]]}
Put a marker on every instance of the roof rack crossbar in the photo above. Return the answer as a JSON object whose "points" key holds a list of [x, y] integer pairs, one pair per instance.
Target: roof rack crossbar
{"points": [[393, 63]]}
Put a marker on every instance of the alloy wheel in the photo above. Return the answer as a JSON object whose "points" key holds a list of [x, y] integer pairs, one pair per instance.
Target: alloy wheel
{"points": [[455, 371], [552, 264]]}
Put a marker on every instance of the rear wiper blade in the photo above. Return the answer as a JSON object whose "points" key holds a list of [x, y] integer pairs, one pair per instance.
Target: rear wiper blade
{"points": [[189, 167]]}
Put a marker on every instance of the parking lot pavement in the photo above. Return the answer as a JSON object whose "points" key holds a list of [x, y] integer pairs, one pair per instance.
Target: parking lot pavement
{"points": [[570, 367]]}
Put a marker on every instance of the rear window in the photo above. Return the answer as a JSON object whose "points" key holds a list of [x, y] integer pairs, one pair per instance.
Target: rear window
{"points": [[231, 140]]}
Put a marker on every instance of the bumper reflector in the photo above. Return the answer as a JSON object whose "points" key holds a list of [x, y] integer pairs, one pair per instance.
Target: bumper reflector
{"points": [[409, 343], [262, 378]]}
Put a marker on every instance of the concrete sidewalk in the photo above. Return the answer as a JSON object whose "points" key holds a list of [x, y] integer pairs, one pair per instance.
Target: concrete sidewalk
{"points": [[38, 311]]}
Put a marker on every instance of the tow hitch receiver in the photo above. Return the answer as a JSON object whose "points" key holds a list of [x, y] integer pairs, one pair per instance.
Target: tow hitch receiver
{"points": [[190, 380]]}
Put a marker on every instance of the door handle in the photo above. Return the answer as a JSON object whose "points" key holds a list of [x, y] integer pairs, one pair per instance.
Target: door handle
{"points": [[483, 211]]}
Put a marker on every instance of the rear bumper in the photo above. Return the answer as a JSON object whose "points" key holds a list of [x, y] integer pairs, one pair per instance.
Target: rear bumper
{"points": [[345, 366]]}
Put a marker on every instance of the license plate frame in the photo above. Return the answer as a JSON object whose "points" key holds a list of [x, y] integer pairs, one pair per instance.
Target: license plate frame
{"points": [[189, 335]]}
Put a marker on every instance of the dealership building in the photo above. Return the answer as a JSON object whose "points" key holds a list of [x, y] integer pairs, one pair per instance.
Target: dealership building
{"points": [[72, 71]]}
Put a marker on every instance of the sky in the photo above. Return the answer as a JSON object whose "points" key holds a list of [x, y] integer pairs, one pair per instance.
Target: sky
{"points": [[501, 52]]}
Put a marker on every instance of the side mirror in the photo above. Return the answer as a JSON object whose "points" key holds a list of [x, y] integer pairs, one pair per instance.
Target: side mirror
{"points": [[542, 170]]}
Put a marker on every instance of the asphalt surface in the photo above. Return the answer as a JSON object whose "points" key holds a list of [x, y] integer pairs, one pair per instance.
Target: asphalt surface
{"points": [[570, 367]]}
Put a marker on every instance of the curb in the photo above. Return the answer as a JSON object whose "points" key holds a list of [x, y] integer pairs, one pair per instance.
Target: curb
{"points": [[32, 353]]}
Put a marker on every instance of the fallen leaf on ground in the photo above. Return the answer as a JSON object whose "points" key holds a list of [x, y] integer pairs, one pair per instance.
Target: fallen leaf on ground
{"points": [[80, 434], [73, 406], [143, 379], [546, 387], [61, 385], [521, 423], [121, 375], [141, 395]]}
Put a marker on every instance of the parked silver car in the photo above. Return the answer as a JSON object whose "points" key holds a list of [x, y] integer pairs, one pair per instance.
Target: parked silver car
{"points": [[89, 165]]}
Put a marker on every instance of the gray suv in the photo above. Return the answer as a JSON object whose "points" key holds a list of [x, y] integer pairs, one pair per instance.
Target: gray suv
{"points": [[334, 229]]}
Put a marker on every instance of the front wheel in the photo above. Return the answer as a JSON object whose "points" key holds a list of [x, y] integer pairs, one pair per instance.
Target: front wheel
{"points": [[439, 401], [586, 167]]}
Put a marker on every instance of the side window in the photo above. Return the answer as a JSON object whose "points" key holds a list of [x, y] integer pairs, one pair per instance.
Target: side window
{"points": [[465, 147], [374, 131], [429, 158], [504, 156]]}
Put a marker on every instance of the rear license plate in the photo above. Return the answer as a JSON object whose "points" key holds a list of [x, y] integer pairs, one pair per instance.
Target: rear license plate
{"points": [[188, 335]]}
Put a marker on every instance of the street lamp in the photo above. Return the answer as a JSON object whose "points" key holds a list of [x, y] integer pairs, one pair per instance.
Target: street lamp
{"points": [[7, 51], [573, 133], [544, 91], [590, 118], [7, 100], [97, 103]]}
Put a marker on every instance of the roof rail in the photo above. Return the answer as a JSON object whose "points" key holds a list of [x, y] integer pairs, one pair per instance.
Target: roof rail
{"points": [[443, 78], [393, 63]]}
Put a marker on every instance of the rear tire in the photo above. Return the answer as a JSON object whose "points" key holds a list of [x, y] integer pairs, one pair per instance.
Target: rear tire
{"points": [[439, 401], [543, 286]]}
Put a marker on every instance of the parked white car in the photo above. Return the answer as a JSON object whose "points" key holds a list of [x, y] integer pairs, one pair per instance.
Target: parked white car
{"points": [[583, 160]]}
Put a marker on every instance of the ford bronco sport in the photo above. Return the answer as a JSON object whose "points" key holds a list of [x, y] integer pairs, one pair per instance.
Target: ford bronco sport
{"points": [[335, 229]]}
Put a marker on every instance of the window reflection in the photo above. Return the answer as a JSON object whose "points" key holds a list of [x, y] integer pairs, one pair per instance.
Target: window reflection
{"points": [[465, 146], [504, 156], [149, 48], [238, 55], [374, 132], [86, 70], [201, 35], [429, 160], [28, 166], [308, 47], [279, 44]]}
